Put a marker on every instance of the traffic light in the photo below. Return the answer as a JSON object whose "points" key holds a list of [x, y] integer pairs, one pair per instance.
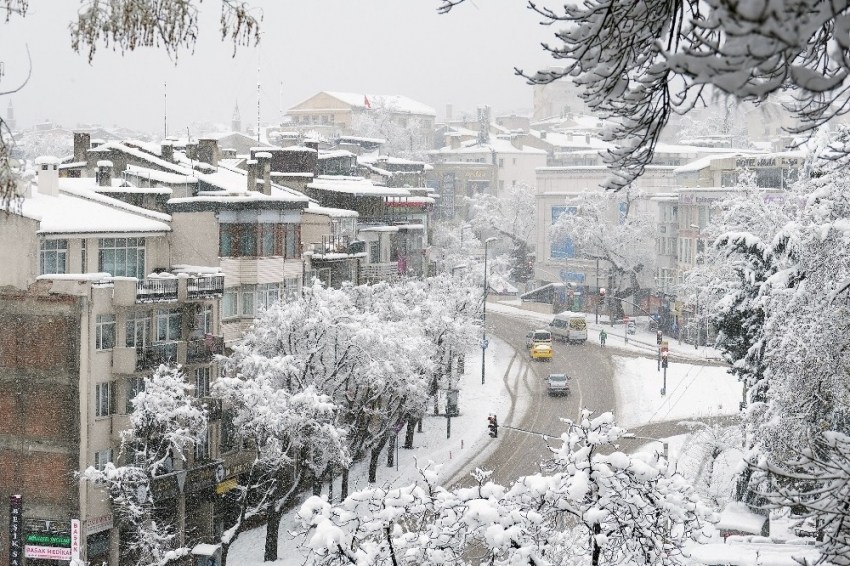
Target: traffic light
{"points": [[658, 337], [493, 426], [664, 360]]}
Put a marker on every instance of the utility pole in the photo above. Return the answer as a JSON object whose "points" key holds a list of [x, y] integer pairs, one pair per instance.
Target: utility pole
{"points": [[484, 342]]}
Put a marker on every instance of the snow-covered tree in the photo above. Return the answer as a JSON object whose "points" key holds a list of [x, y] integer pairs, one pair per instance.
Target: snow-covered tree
{"points": [[126, 25], [381, 120], [613, 228], [816, 480], [594, 501], [165, 422], [710, 460], [293, 437], [511, 215], [639, 62]]}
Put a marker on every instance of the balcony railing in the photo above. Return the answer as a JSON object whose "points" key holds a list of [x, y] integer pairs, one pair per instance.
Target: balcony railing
{"points": [[151, 357], [204, 287], [380, 271], [156, 290], [203, 349]]}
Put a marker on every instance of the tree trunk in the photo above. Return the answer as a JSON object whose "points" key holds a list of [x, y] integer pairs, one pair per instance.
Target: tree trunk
{"points": [[272, 529], [408, 434], [343, 485], [594, 560], [317, 485], [331, 483], [391, 450], [419, 426], [225, 548], [373, 459]]}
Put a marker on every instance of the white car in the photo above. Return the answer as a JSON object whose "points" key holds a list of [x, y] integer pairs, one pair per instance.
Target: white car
{"points": [[558, 384]]}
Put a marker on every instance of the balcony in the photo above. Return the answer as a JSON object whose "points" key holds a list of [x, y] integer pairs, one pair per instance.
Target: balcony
{"points": [[156, 290], [203, 349], [379, 271], [151, 357], [200, 288]]}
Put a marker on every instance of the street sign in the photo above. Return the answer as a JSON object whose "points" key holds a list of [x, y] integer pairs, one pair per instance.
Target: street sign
{"points": [[484, 344]]}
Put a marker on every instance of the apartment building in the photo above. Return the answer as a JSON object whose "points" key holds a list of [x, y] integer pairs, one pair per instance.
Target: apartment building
{"points": [[92, 301]]}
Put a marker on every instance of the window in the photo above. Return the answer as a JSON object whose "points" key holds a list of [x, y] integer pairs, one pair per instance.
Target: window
{"points": [[501, 186], [138, 329], [53, 257], [202, 382], [290, 288], [83, 266], [228, 431], [101, 458], [228, 303], [375, 252], [135, 385], [203, 320], [247, 240], [248, 300], [168, 325], [292, 234], [103, 399], [122, 257], [268, 240], [514, 161], [267, 295], [202, 446], [105, 332], [501, 162]]}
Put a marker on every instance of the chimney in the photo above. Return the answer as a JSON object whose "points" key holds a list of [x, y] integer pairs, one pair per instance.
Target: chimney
{"points": [[264, 168], [448, 113], [252, 174], [192, 151], [166, 151], [208, 151], [104, 173], [48, 175], [454, 142], [82, 143], [516, 141]]}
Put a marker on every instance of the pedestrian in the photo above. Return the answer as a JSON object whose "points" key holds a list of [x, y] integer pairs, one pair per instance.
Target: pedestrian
{"points": [[602, 336]]}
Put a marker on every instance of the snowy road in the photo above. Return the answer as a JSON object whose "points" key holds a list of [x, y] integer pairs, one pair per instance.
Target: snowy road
{"points": [[592, 370]]}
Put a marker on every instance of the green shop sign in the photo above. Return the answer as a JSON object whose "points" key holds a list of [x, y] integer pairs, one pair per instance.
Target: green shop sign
{"points": [[45, 539]]}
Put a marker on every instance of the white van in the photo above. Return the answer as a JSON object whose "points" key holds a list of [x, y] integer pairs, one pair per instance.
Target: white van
{"points": [[570, 327]]}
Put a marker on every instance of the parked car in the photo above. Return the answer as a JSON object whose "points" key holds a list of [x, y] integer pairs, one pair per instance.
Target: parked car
{"points": [[541, 351], [558, 384], [538, 336]]}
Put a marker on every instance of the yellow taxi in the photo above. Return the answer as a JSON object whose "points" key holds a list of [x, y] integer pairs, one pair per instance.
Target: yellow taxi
{"points": [[541, 351]]}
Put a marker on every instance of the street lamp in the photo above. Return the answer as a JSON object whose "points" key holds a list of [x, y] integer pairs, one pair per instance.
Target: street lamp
{"points": [[696, 312], [484, 310]]}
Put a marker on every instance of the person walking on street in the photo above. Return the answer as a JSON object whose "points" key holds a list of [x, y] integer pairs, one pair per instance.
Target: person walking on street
{"points": [[602, 336]]}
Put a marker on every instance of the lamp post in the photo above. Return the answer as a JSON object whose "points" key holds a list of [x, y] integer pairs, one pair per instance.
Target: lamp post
{"points": [[484, 311], [696, 311]]}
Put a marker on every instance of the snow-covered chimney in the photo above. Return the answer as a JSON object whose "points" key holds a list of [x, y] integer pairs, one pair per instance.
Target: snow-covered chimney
{"points": [[454, 142], [252, 174], [264, 168], [166, 151], [82, 144], [48, 175], [516, 141], [104, 173], [208, 151]]}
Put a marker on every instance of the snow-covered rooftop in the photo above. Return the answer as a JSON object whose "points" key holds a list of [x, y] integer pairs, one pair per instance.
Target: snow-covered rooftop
{"points": [[495, 144], [391, 102], [314, 208], [357, 186], [83, 211]]}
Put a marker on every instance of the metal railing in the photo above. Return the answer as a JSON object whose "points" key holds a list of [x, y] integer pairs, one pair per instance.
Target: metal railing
{"points": [[204, 287], [203, 349], [156, 290], [380, 271], [151, 357]]}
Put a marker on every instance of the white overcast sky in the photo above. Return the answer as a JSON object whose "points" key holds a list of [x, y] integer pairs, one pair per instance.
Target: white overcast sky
{"points": [[465, 58]]}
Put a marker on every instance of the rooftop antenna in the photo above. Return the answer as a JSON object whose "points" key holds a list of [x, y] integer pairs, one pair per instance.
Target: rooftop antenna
{"points": [[165, 97]]}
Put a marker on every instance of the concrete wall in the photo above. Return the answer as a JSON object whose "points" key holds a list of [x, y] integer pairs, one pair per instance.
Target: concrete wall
{"points": [[194, 238], [19, 252]]}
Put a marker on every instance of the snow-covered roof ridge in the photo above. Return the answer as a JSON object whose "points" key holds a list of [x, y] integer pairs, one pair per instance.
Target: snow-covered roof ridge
{"points": [[392, 102], [94, 196], [357, 186]]}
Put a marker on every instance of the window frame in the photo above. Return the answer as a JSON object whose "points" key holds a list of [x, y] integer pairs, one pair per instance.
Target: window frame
{"points": [[202, 382], [103, 457], [130, 248], [105, 327], [57, 248], [171, 321], [103, 399]]}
